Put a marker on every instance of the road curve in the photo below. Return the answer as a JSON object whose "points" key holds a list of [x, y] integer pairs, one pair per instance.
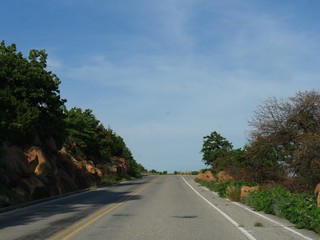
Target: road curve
{"points": [[155, 207]]}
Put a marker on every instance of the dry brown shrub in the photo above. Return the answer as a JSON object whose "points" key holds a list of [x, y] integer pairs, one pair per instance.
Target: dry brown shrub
{"points": [[233, 193]]}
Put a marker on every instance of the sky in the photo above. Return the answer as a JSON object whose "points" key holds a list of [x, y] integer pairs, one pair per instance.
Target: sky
{"points": [[164, 74]]}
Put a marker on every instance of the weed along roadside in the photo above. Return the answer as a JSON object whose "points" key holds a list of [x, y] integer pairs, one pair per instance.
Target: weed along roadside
{"points": [[298, 208]]}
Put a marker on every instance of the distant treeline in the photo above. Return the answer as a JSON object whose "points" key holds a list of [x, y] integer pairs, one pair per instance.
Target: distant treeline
{"points": [[33, 112]]}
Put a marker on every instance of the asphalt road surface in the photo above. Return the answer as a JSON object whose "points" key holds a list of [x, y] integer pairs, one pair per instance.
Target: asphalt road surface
{"points": [[155, 207]]}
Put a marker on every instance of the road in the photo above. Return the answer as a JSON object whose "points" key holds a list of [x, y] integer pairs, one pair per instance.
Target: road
{"points": [[155, 207]]}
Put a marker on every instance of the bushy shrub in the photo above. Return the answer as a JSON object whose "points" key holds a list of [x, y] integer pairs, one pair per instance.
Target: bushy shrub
{"points": [[233, 193], [210, 185], [221, 188], [299, 209], [264, 200], [230, 189]]}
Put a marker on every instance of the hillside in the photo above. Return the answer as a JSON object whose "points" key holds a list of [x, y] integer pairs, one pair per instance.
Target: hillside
{"points": [[32, 172], [45, 148]]}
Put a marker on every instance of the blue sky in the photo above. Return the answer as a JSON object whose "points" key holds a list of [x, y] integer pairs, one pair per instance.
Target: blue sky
{"points": [[163, 74]]}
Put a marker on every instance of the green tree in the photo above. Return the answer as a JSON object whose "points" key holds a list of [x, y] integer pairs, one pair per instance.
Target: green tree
{"points": [[215, 150], [30, 102], [82, 132]]}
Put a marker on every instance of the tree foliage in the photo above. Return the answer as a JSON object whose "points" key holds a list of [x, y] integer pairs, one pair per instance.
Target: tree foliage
{"points": [[81, 129], [215, 150], [30, 102], [286, 135]]}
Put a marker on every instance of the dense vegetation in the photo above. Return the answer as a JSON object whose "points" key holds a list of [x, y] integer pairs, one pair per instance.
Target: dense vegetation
{"points": [[33, 112], [284, 143], [282, 156], [31, 106], [299, 208]]}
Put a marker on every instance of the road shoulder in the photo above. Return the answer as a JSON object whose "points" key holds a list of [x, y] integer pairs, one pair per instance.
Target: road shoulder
{"points": [[257, 224]]}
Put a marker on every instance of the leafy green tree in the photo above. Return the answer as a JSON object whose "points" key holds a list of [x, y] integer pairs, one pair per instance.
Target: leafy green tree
{"points": [[82, 132], [215, 150], [30, 102], [106, 138]]}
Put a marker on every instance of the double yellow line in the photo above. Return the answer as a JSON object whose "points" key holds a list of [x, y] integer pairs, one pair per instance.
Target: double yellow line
{"points": [[78, 226]]}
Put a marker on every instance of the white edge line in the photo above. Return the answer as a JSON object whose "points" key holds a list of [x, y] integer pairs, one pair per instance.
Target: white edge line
{"points": [[271, 220], [246, 233]]}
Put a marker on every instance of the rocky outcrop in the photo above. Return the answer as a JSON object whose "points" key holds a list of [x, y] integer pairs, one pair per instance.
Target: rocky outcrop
{"points": [[42, 165], [118, 166], [206, 176], [224, 176], [209, 176], [32, 173], [245, 190]]}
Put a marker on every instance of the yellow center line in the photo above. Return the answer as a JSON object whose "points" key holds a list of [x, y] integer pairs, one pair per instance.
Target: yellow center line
{"points": [[77, 227]]}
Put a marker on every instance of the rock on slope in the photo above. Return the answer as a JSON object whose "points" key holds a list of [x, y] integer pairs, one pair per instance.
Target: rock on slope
{"points": [[32, 173]]}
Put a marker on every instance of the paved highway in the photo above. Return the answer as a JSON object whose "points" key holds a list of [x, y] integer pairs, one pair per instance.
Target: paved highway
{"points": [[155, 207]]}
